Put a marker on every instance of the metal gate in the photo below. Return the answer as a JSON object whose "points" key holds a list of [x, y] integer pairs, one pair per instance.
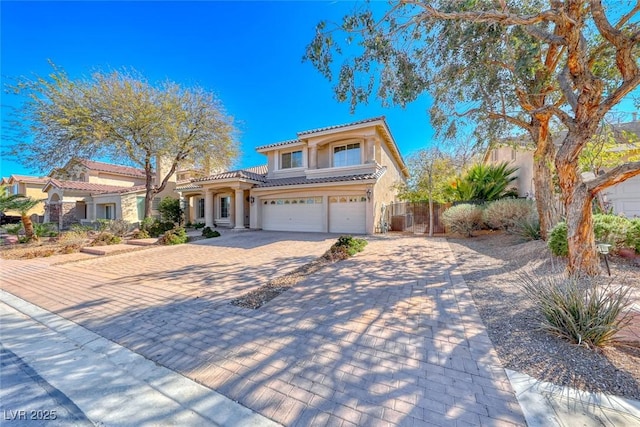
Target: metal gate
{"points": [[413, 217]]}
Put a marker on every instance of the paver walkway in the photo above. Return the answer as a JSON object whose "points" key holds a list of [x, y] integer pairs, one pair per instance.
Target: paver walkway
{"points": [[390, 337]]}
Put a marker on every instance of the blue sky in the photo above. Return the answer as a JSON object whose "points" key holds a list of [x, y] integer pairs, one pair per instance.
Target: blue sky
{"points": [[248, 53]]}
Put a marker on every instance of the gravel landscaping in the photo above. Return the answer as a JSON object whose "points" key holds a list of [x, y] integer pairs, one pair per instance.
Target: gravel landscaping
{"points": [[490, 264]]}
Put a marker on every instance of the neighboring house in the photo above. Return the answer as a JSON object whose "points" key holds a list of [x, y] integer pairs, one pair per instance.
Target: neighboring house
{"points": [[624, 198], [85, 190], [30, 186], [335, 179]]}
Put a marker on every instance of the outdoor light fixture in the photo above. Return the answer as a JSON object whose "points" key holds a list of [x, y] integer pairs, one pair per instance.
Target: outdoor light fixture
{"points": [[368, 194], [603, 249], [252, 199]]}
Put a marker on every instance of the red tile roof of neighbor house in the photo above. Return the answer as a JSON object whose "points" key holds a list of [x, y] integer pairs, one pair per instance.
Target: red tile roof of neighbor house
{"points": [[111, 168], [28, 178], [92, 188]]}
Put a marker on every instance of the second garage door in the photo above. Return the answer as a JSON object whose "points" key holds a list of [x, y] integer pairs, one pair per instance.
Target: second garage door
{"points": [[347, 214], [293, 214]]}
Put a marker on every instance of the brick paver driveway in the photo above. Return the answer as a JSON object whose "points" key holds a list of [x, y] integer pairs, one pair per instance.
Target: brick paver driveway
{"points": [[389, 337]]}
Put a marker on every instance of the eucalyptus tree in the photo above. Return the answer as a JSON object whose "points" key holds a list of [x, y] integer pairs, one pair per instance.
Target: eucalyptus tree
{"points": [[485, 73], [522, 63], [122, 116]]}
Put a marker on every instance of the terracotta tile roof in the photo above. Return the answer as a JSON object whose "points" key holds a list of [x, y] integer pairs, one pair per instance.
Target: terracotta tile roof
{"points": [[279, 144], [260, 170], [188, 186], [241, 173], [28, 178], [92, 188], [301, 180], [359, 122], [111, 168]]}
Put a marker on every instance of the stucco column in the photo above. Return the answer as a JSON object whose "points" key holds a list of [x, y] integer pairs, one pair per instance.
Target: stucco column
{"points": [[313, 157], [208, 208], [370, 150], [239, 209]]}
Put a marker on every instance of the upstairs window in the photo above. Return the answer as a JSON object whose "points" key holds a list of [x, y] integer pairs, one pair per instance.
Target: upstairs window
{"points": [[346, 155], [291, 160]]}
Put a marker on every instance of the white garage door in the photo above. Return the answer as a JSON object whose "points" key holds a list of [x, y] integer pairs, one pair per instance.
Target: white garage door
{"points": [[347, 214], [292, 214], [625, 197]]}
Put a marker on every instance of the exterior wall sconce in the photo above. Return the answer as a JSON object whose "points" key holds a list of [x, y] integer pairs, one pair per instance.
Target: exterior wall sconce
{"points": [[252, 199], [368, 194]]}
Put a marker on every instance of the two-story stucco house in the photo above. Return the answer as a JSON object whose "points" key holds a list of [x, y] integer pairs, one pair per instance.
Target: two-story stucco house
{"points": [[30, 186], [86, 190], [334, 179]]}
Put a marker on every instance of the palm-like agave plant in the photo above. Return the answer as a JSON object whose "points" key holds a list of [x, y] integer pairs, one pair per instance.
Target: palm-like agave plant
{"points": [[485, 183], [21, 204]]}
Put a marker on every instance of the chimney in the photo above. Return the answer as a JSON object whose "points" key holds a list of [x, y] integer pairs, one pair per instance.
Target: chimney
{"points": [[634, 116], [163, 165]]}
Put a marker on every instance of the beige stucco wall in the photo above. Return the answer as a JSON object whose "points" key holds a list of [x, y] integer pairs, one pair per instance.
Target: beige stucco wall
{"points": [[129, 207], [35, 192], [110, 179], [521, 159], [385, 191]]}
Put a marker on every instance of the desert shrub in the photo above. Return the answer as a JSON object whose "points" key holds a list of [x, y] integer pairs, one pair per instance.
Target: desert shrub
{"points": [[505, 214], [72, 236], [14, 229], [141, 234], [528, 229], [558, 240], [170, 210], [119, 227], [345, 247], [632, 239], [208, 232], [175, 236], [584, 311], [463, 219], [198, 225], [611, 229], [105, 238], [45, 229], [102, 224], [80, 228], [156, 228]]}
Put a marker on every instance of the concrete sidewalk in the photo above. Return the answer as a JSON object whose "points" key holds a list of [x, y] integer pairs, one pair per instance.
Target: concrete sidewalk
{"points": [[108, 383]]}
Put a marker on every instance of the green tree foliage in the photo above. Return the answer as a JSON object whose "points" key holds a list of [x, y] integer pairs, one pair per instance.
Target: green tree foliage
{"points": [[170, 210], [522, 63], [484, 183], [121, 115]]}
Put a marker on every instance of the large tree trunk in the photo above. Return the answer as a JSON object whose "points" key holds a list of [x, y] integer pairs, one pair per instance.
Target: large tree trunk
{"points": [[28, 228], [583, 257], [543, 161], [150, 191]]}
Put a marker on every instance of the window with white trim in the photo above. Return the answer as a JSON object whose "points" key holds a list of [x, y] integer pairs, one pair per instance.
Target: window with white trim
{"points": [[346, 155], [291, 160]]}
